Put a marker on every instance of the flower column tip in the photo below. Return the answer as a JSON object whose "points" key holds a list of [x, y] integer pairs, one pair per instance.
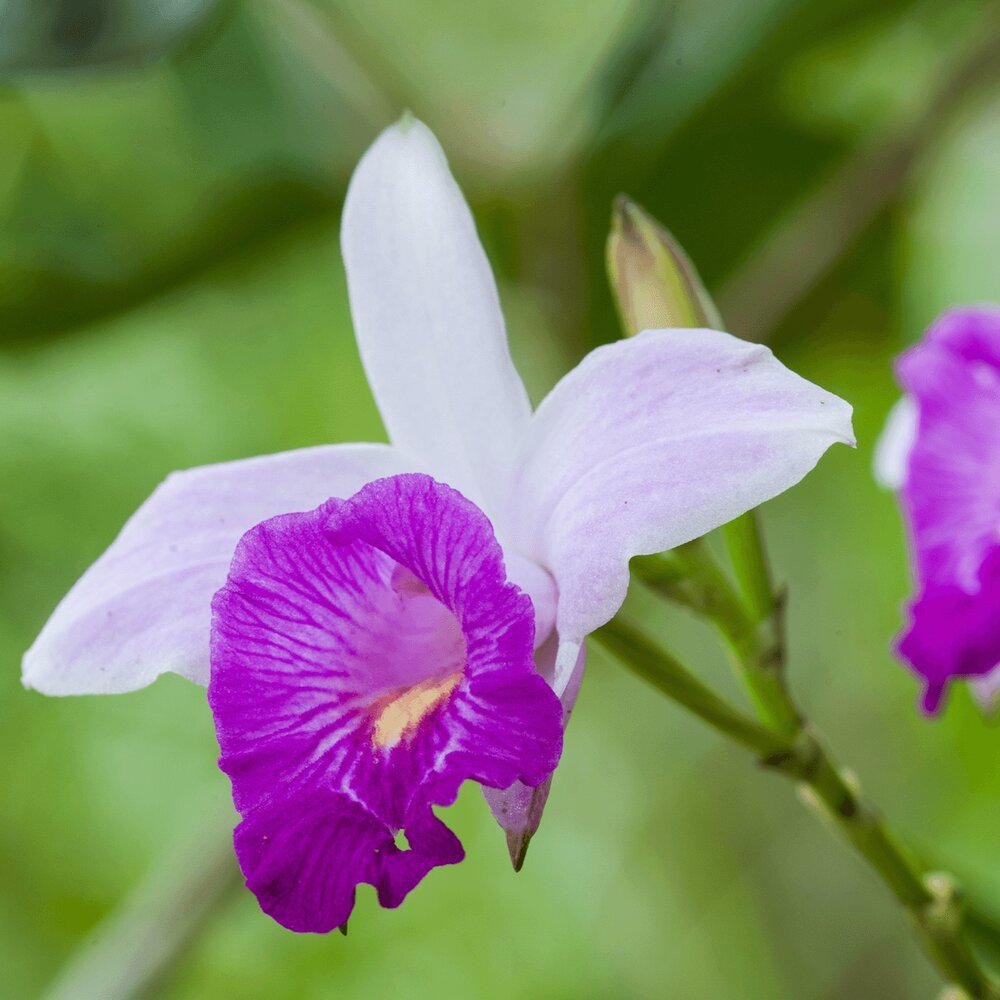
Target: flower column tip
{"points": [[517, 846]]}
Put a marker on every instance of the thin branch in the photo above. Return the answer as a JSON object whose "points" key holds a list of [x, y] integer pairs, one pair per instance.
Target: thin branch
{"points": [[657, 666]]}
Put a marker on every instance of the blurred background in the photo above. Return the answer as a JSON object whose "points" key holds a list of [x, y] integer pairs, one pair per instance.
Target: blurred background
{"points": [[171, 294]]}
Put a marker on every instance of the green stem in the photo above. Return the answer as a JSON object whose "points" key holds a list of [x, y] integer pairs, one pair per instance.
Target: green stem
{"points": [[672, 678], [931, 900], [689, 575], [753, 572]]}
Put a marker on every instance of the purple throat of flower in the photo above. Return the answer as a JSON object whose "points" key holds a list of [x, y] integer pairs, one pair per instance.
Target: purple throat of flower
{"points": [[368, 657]]}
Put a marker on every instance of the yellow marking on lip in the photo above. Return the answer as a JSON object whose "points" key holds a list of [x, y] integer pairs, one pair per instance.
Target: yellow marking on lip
{"points": [[399, 714]]}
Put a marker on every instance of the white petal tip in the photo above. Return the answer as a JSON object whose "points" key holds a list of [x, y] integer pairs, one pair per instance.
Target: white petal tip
{"points": [[31, 673], [841, 419], [35, 677], [407, 135], [407, 120]]}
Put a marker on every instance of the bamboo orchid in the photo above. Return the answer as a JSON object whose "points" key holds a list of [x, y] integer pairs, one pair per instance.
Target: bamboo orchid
{"points": [[377, 623]]}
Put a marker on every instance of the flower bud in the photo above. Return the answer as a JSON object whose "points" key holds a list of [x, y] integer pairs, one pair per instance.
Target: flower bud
{"points": [[654, 283]]}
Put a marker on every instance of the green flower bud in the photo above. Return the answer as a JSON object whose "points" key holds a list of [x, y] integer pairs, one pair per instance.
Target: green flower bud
{"points": [[654, 283]]}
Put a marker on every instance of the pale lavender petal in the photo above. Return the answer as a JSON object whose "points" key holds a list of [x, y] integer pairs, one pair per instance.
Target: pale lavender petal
{"points": [[651, 442], [427, 315], [540, 587], [368, 657], [145, 606]]}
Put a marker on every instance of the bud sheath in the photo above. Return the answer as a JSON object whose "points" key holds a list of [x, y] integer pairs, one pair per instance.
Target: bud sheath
{"points": [[654, 282]]}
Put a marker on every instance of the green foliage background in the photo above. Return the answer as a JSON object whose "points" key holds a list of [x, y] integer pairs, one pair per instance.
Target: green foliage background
{"points": [[171, 294]]}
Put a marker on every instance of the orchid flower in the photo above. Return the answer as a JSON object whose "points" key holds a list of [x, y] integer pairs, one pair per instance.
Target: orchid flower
{"points": [[378, 623], [941, 451]]}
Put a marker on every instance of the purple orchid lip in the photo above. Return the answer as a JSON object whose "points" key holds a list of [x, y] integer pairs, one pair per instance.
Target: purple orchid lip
{"points": [[367, 658], [951, 498]]}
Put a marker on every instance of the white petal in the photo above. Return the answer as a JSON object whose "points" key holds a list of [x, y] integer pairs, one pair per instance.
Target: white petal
{"points": [[540, 587], [986, 689], [427, 315], [568, 665], [651, 442], [145, 606], [892, 452]]}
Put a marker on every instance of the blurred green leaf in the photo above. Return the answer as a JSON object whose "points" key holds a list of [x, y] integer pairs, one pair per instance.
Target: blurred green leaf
{"points": [[113, 190], [706, 44], [37, 35], [850, 81], [984, 932], [949, 244]]}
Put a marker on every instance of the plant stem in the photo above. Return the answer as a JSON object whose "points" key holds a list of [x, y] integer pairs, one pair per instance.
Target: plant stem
{"points": [[689, 575], [661, 669], [753, 572]]}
